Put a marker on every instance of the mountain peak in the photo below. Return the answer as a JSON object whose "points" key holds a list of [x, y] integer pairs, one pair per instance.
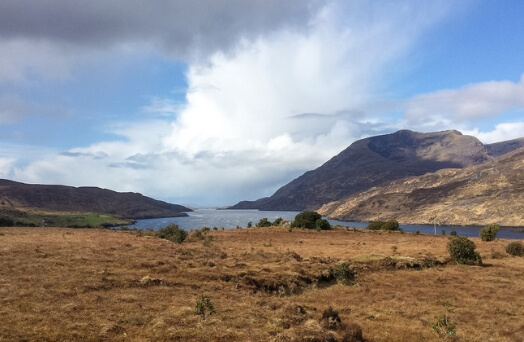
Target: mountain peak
{"points": [[377, 160]]}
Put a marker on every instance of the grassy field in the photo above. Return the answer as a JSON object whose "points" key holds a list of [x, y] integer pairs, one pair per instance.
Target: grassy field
{"points": [[72, 220], [265, 284]]}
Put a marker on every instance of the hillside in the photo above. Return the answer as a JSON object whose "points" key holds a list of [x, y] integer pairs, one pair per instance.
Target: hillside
{"points": [[16, 196], [491, 193], [377, 160]]}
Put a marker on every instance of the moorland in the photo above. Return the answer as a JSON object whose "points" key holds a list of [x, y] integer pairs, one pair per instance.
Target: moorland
{"points": [[256, 284]]}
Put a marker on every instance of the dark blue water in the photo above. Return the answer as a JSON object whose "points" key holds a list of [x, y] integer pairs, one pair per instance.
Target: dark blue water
{"points": [[230, 219]]}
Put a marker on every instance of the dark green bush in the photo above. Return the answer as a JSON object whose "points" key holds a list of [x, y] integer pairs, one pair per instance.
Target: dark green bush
{"points": [[381, 225], [322, 224], [172, 233], [462, 251], [6, 222], [515, 248], [264, 222], [375, 225], [489, 233], [278, 221], [453, 233], [391, 225], [310, 220]]}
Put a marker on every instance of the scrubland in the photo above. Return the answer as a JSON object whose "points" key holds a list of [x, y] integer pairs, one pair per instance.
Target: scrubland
{"points": [[265, 284]]}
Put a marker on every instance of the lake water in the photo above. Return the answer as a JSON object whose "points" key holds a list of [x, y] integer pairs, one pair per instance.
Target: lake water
{"points": [[230, 219]]}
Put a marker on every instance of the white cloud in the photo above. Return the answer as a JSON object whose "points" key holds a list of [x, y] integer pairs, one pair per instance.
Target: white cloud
{"points": [[472, 102], [502, 132]]}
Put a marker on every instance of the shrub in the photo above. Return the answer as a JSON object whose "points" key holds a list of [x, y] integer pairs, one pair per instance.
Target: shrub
{"points": [[489, 233], [6, 222], [172, 233], [453, 233], [249, 224], [204, 307], [381, 225], [462, 251], [310, 220], [515, 248], [322, 224], [391, 225], [375, 225], [443, 327], [264, 222], [278, 221], [344, 273]]}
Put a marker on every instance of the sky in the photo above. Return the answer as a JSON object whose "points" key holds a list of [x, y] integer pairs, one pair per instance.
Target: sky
{"points": [[209, 102]]}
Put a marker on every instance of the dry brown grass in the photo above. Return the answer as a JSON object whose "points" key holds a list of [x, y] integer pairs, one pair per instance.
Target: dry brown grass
{"points": [[266, 284]]}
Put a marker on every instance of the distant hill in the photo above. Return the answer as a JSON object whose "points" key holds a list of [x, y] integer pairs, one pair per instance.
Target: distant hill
{"points": [[59, 198], [490, 193], [378, 160]]}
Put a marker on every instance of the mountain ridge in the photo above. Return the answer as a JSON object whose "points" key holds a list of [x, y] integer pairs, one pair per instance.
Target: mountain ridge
{"points": [[61, 198], [377, 160], [489, 193]]}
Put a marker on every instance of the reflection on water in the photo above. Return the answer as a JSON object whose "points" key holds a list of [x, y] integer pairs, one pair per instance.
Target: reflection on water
{"points": [[230, 219]]}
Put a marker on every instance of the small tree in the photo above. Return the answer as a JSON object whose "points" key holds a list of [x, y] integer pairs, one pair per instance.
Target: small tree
{"points": [[172, 233], [462, 251], [489, 233], [308, 219]]}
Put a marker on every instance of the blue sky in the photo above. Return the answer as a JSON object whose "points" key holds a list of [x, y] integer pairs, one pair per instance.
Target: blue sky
{"points": [[210, 102]]}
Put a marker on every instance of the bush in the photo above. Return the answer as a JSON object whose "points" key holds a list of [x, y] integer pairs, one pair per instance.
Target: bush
{"points": [[172, 233], [462, 251], [344, 273], [515, 248], [204, 307], [375, 225], [310, 220], [391, 225], [381, 225], [278, 221], [489, 233], [322, 224], [264, 222], [6, 222]]}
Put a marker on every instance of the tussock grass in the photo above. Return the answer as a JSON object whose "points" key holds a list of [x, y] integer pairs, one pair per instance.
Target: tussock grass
{"points": [[91, 285]]}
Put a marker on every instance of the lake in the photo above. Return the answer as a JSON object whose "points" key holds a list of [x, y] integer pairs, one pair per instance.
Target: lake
{"points": [[230, 219]]}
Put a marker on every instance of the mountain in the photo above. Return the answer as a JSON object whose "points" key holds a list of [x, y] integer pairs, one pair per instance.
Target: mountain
{"points": [[377, 160], [59, 198], [490, 193]]}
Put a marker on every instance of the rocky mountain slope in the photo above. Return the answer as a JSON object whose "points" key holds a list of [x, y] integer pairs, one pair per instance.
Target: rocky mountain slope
{"points": [[378, 160], [490, 193], [58, 198]]}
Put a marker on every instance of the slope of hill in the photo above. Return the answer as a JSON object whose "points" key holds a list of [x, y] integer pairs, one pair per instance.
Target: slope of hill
{"points": [[373, 161], [491, 193], [59, 198]]}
